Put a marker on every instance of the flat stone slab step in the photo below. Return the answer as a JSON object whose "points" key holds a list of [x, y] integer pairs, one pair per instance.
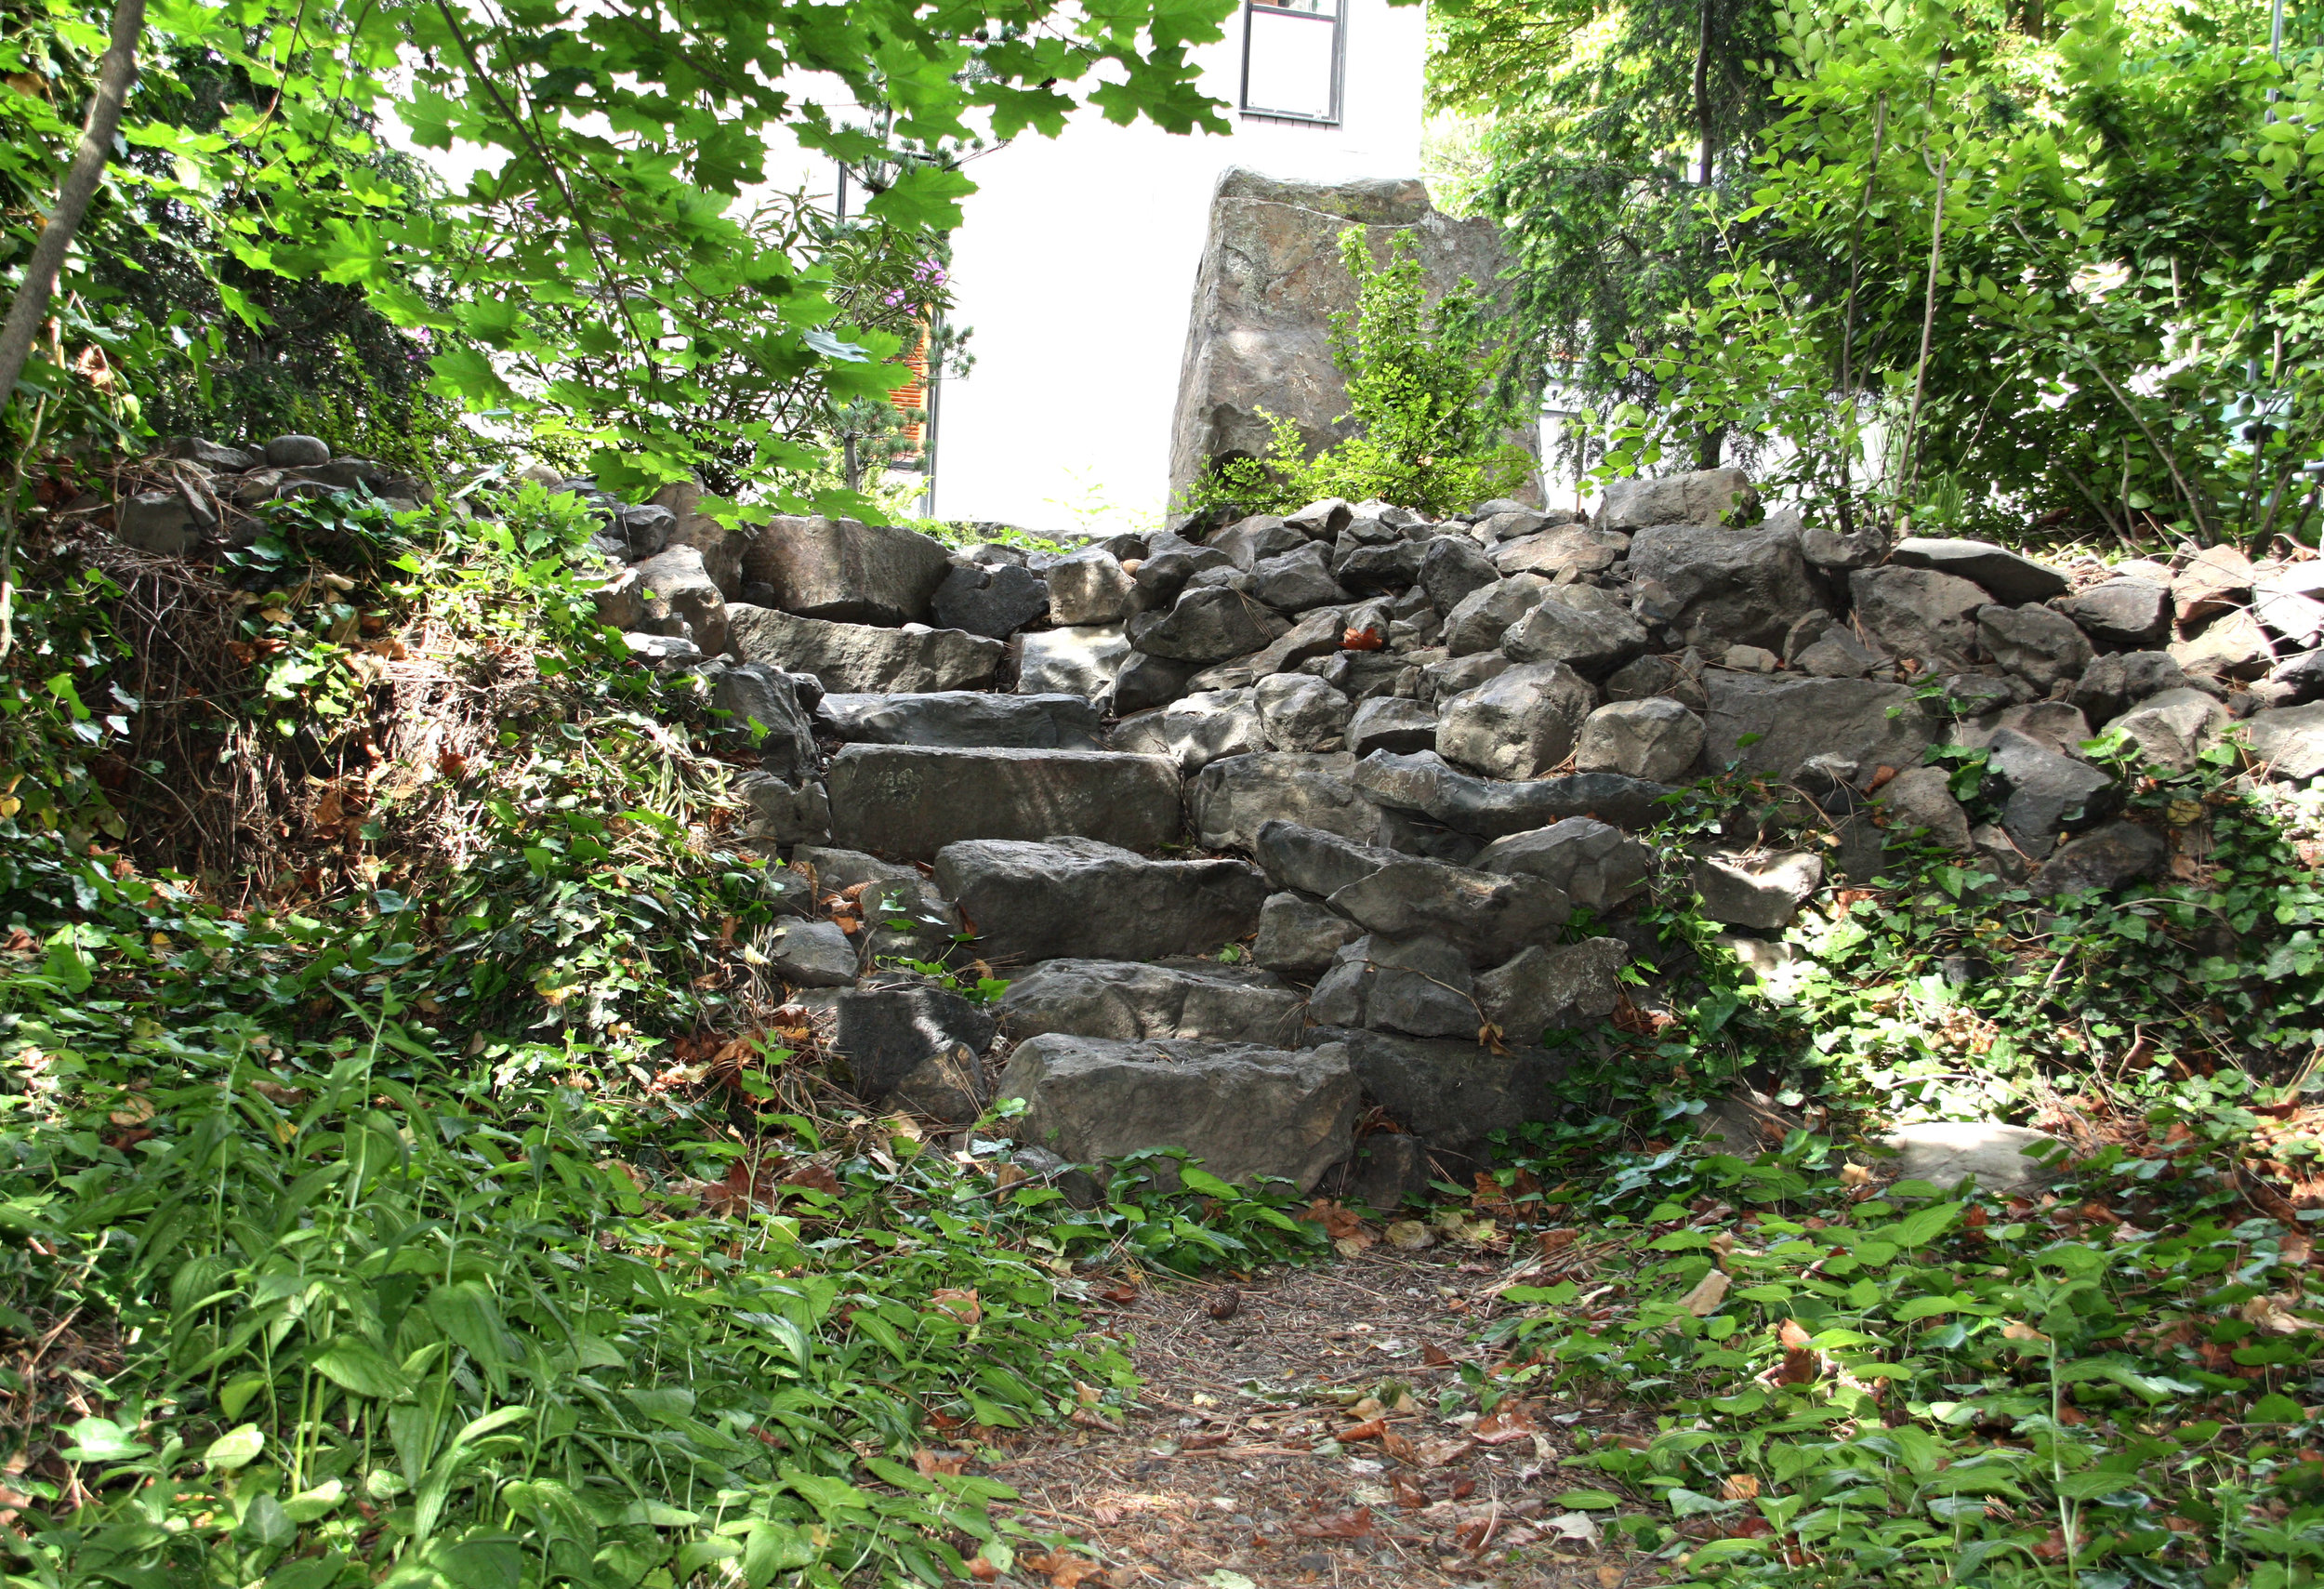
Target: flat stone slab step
{"points": [[1201, 1000], [911, 801], [1079, 898], [965, 720]]}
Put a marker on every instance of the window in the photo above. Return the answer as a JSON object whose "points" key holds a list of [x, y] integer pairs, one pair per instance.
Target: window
{"points": [[1291, 55]]}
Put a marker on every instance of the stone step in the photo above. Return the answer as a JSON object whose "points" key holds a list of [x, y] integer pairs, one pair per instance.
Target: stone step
{"points": [[1201, 1000], [1025, 901], [862, 658], [965, 720], [911, 801]]}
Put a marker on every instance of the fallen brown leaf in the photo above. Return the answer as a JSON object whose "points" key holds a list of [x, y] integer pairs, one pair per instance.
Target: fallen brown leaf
{"points": [[1510, 1421], [1349, 1525]]}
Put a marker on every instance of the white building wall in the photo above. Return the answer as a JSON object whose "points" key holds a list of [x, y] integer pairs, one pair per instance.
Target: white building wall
{"points": [[1076, 268]]}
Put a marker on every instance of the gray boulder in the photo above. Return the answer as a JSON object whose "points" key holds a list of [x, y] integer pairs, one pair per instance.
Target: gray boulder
{"points": [[1295, 581], [1569, 549], [1313, 860], [2288, 740], [2111, 685], [2231, 645], [994, 601], [2058, 725], [965, 720], [1240, 1109], [859, 659], [1453, 1095], [2103, 858], [2004, 1159], [1247, 541], [2213, 581], [2013, 581], [2173, 728], [763, 702], [1704, 497], [813, 954], [1539, 989], [1088, 588], [1491, 809], [1758, 890], [1196, 1000], [675, 590], [294, 451], [1871, 724], [1655, 738], [1918, 613], [1146, 681], [1082, 662], [168, 523], [889, 1035], [2040, 646], [843, 571], [2046, 791], [913, 799], [1301, 713], [1393, 724], [1196, 731], [1029, 902], [781, 813], [1487, 916], [1518, 725], [1207, 624], [1919, 800], [1228, 801], [1589, 629], [1297, 936], [1593, 863], [1372, 570], [1676, 678], [1451, 567], [1728, 587], [1417, 985], [2120, 612], [1477, 621]]}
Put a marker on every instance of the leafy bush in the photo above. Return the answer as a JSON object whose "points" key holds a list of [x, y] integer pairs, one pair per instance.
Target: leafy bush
{"points": [[1431, 434]]}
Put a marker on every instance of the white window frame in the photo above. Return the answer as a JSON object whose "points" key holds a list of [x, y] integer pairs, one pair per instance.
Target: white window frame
{"points": [[1335, 20]]}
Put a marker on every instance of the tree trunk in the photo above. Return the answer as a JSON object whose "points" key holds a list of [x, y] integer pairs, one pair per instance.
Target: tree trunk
{"points": [[115, 75]]}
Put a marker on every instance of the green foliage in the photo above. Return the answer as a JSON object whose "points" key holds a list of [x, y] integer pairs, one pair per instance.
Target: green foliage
{"points": [[1902, 1387], [1430, 434], [2076, 276]]}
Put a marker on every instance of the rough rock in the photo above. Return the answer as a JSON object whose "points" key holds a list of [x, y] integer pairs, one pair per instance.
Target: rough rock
{"points": [[1759, 891], [1207, 624], [1704, 497], [1489, 809], [1945, 1153], [1313, 860], [2046, 791], [863, 660], [913, 800], [2112, 684], [1196, 731], [1196, 1000], [2230, 647], [294, 451], [1593, 863], [1920, 613], [1417, 985], [781, 813], [1575, 548], [2213, 581], [764, 702], [1080, 897], [1442, 680], [994, 600], [676, 590], [1655, 738], [2058, 725], [1088, 588], [1393, 724], [2042, 647], [1147, 682], [1297, 581], [1387, 1168], [1260, 331], [1518, 725], [1478, 620], [2288, 739], [1451, 568], [1589, 629], [1297, 936], [1677, 677], [1871, 724], [1374, 570], [2102, 859], [1920, 801], [2120, 612], [1838, 654], [1487, 916], [888, 1033], [2173, 728], [1228, 801], [2014, 581], [1072, 661], [2286, 605], [965, 720], [1261, 535], [1240, 1109], [843, 571], [1538, 989], [813, 954], [1453, 1095], [1301, 713], [1728, 587]]}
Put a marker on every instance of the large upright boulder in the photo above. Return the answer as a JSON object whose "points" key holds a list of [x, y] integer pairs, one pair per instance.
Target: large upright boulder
{"points": [[1269, 280]]}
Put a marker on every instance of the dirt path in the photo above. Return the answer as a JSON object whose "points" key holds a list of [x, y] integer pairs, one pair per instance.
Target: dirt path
{"points": [[1255, 1458]]}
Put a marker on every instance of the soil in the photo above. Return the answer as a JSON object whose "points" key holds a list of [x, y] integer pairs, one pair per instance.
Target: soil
{"points": [[1254, 1459]]}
